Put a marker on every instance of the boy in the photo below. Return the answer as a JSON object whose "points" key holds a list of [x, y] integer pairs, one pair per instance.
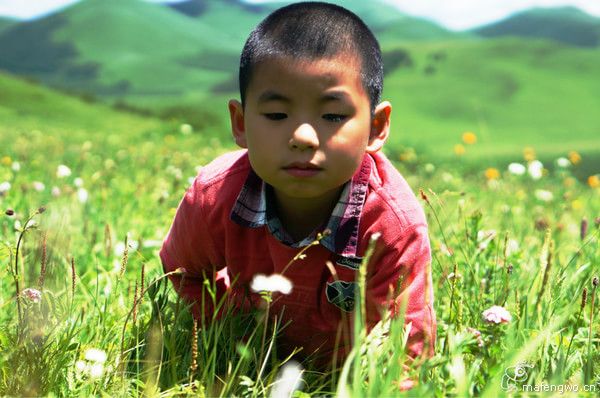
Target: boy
{"points": [[312, 126]]}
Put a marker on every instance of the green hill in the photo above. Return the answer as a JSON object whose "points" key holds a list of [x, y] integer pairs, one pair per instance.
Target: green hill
{"points": [[511, 93], [6, 23], [565, 24]]}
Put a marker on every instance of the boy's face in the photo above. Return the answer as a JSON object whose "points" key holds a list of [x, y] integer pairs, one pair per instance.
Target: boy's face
{"points": [[307, 124]]}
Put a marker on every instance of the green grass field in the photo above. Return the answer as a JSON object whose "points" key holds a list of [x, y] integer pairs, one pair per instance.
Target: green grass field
{"points": [[497, 239]]}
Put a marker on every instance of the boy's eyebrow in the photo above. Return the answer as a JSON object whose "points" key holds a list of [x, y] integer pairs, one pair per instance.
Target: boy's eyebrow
{"points": [[335, 96], [271, 95]]}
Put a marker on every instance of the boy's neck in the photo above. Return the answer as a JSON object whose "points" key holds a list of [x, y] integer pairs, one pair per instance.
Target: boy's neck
{"points": [[300, 216]]}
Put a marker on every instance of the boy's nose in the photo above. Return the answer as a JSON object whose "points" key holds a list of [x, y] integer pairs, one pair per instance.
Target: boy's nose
{"points": [[304, 137]]}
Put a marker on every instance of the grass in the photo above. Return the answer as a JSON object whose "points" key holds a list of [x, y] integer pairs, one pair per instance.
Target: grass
{"points": [[92, 254]]}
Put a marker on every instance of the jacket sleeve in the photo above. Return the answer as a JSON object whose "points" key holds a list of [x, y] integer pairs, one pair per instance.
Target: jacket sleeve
{"points": [[187, 246], [399, 280]]}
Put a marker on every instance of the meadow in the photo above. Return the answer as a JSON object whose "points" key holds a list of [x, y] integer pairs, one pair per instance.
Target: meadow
{"points": [[87, 195]]}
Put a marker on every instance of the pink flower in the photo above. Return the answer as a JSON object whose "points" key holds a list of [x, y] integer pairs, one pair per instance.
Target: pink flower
{"points": [[33, 295], [497, 314], [477, 334]]}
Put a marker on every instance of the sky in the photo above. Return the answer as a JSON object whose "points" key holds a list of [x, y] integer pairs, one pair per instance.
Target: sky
{"points": [[453, 14]]}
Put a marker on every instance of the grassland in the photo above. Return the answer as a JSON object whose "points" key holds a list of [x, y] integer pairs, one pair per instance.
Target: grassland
{"points": [[497, 239]]}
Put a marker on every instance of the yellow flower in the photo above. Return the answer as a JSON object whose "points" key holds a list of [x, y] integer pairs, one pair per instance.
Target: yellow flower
{"points": [[529, 153], [574, 157], [469, 138], [492, 173], [594, 181], [459, 149], [577, 204], [6, 161]]}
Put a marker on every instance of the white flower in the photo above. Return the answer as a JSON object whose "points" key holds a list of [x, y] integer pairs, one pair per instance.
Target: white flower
{"points": [[16, 166], [18, 226], [497, 314], [63, 171], [4, 187], [511, 246], [96, 370], [485, 237], [186, 129], [516, 169], [38, 186], [288, 380], [535, 169], [78, 182], [33, 295], [95, 355], [543, 195], [271, 283], [82, 195], [120, 246], [81, 366], [563, 162], [55, 191]]}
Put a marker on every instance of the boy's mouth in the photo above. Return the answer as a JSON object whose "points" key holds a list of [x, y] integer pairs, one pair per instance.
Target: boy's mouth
{"points": [[302, 169]]}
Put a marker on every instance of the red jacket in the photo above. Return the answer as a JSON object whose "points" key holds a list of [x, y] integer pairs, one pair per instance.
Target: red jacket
{"points": [[205, 240]]}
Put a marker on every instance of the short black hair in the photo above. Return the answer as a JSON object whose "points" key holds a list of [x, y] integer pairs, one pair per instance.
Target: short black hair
{"points": [[312, 30]]}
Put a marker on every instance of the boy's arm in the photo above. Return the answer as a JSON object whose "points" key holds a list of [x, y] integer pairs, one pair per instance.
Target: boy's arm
{"points": [[188, 245], [400, 279]]}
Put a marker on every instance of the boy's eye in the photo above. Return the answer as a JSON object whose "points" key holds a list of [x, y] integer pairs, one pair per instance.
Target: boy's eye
{"points": [[275, 116], [334, 117]]}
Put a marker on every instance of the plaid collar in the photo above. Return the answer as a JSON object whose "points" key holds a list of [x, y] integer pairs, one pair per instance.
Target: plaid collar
{"points": [[254, 208]]}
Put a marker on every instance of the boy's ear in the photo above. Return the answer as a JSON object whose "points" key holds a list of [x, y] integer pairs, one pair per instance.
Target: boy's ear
{"points": [[380, 127], [238, 129]]}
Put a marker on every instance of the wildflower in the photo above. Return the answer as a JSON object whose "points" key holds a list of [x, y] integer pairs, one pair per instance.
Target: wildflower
{"points": [[593, 181], [477, 334], [529, 154], [497, 315], [574, 157], [535, 169], [469, 138], [459, 149], [78, 182], [288, 380], [82, 195], [96, 370], [120, 246], [4, 187], [33, 295], [186, 129], [511, 246], [95, 355], [484, 238], [271, 283], [516, 169], [492, 173], [38, 186], [55, 191], [63, 171], [6, 161], [543, 195], [563, 162], [405, 385], [16, 166], [577, 204]]}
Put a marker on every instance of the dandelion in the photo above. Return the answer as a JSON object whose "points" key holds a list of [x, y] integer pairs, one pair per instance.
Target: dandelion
{"points": [[574, 157], [33, 295], [459, 149], [563, 162], [516, 169], [535, 169], [4, 187], [95, 355], [529, 154], [469, 138], [496, 314], [63, 171], [288, 380], [593, 181], [96, 370], [38, 186], [82, 195], [271, 283], [492, 173], [543, 195]]}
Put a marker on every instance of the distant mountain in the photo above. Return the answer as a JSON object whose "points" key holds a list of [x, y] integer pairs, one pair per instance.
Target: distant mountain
{"points": [[569, 25], [6, 23]]}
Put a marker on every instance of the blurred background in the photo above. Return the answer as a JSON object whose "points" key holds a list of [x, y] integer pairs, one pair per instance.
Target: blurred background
{"points": [[469, 80]]}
